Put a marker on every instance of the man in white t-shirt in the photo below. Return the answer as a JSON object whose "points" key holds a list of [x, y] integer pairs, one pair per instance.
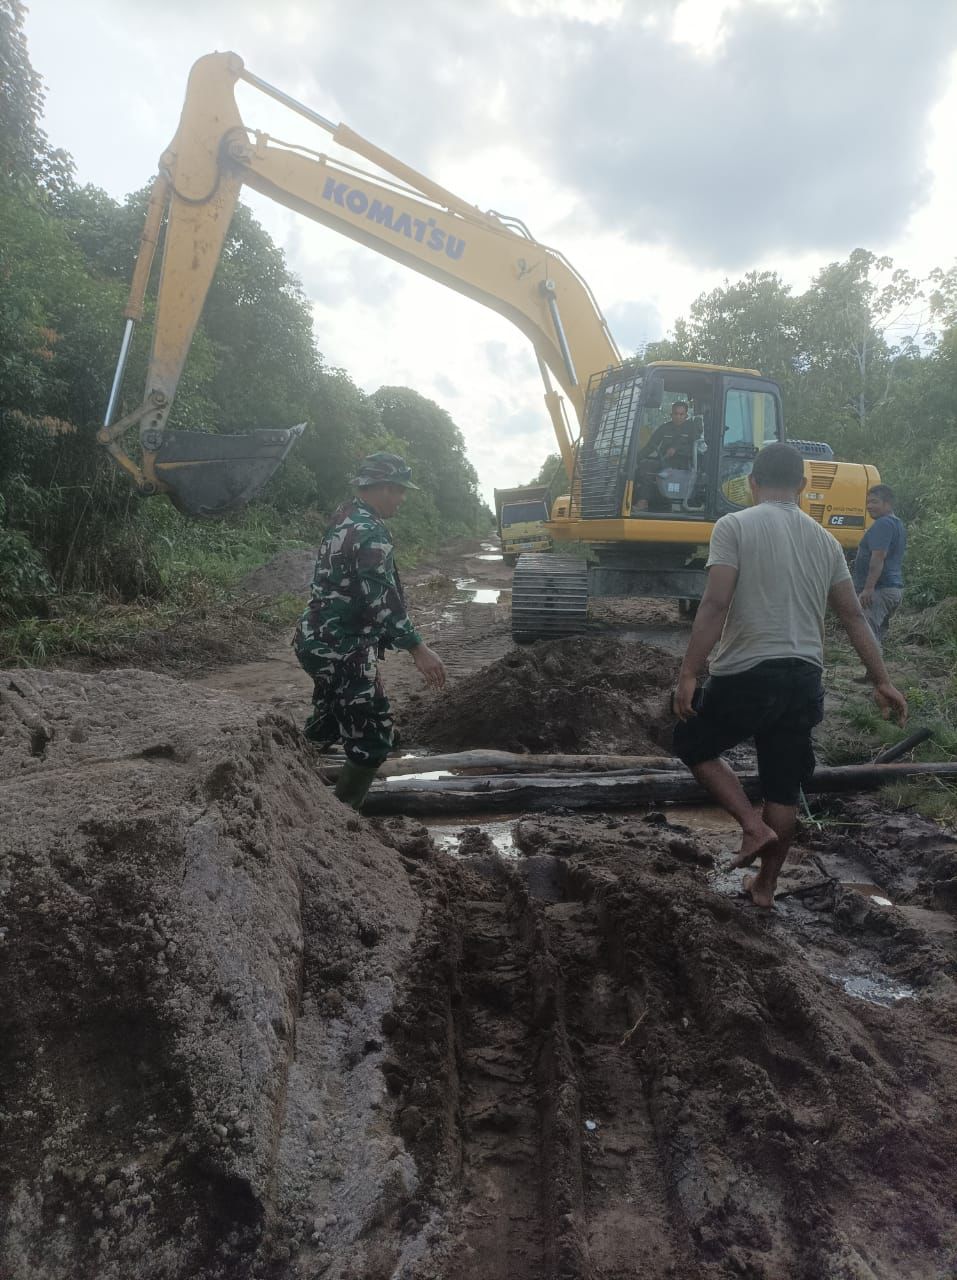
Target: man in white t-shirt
{"points": [[772, 571]]}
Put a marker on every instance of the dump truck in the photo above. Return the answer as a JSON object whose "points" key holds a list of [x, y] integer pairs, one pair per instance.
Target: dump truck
{"points": [[522, 516]]}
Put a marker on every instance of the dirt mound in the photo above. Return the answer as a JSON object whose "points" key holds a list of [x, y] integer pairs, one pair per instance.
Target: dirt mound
{"points": [[198, 947], [289, 573], [578, 694], [935, 625]]}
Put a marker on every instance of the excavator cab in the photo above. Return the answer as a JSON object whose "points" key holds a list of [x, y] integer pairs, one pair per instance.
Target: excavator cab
{"points": [[672, 442]]}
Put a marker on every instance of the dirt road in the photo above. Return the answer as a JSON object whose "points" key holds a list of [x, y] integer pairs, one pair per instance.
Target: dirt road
{"points": [[252, 1036], [460, 601]]}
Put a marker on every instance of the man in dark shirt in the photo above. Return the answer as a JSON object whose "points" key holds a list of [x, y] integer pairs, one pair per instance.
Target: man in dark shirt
{"points": [[878, 578], [673, 445]]}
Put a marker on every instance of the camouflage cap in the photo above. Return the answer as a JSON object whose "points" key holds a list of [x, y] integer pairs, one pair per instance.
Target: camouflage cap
{"points": [[384, 468]]}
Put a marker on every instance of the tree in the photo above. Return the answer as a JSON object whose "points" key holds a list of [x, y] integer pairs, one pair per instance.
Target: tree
{"points": [[436, 449], [751, 324], [27, 161], [848, 357], [552, 473]]}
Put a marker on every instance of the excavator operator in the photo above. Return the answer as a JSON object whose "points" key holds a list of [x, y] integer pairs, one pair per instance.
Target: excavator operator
{"points": [[356, 612], [672, 445]]}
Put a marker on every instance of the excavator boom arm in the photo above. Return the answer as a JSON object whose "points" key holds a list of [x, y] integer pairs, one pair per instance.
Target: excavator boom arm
{"points": [[418, 224]]}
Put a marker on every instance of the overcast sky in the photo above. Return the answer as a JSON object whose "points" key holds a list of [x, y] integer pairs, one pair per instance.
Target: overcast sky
{"points": [[660, 145]]}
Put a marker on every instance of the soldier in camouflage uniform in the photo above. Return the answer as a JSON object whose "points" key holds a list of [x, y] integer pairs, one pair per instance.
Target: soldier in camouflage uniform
{"points": [[356, 612]]}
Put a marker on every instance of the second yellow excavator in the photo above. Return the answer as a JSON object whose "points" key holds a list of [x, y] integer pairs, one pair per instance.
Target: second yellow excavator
{"points": [[644, 492]]}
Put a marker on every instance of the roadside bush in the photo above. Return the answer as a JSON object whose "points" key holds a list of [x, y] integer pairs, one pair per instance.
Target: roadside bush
{"points": [[24, 581], [931, 565]]}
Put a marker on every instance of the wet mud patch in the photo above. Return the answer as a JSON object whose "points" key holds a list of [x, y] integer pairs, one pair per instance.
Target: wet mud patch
{"points": [[641, 1075], [914, 858], [570, 695], [198, 945]]}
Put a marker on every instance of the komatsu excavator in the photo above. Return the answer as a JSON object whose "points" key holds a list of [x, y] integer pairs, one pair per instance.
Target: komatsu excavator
{"points": [[644, 510]]}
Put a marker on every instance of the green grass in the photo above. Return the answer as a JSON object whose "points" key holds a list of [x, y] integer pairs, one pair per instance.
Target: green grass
{"points": [[200, 565], [82, 625], [854, 731], [935, 799]]}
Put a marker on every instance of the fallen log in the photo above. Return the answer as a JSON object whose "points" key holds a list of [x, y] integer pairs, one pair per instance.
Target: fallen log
{"points": [[511, 762], [509, 782], [469, 797], [892, 753]]}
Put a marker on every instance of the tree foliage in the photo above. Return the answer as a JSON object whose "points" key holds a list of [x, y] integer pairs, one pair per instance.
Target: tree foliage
{"points": [[68, 520], [858, 369], [27, 161], [552, 473]]}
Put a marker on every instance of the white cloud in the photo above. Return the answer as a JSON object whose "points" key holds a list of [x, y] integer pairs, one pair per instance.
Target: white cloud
{"points": [[558, 112]]}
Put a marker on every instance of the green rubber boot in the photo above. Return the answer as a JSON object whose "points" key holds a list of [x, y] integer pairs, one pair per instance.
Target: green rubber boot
{"points": [[354, 782]]}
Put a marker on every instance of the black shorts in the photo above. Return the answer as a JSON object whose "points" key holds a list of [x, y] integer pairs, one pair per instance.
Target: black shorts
{"points": [[777, 703]]}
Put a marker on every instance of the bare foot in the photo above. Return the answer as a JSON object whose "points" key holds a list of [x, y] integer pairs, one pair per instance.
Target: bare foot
{"points": [[759, 896], [753, 844]]}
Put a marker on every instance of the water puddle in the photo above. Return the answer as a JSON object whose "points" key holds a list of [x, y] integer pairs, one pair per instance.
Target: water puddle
{"points": [[875, 988], [501, 833], [469, 590], [867, 890], [701, 818], [420, 777], [489, 555]]}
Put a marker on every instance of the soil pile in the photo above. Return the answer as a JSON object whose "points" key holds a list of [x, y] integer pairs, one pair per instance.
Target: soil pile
{"points": [[198, 946], [572, 695], [289, 573]]}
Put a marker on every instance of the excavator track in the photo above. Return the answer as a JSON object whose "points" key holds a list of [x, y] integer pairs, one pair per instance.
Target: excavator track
{"points": [[549, 596]]}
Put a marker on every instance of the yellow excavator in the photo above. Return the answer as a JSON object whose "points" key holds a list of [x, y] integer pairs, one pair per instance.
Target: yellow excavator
{"points": [[644, 511]]}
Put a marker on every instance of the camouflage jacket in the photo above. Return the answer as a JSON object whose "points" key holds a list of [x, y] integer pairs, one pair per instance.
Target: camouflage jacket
{"points": [[357, 601]]}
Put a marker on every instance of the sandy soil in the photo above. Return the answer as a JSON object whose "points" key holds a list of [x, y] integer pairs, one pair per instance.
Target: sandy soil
{"points": [[249, 1035]]}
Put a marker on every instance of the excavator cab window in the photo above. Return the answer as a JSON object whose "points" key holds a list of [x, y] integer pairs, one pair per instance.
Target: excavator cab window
{"points": [[751, 420], [670, 462]]}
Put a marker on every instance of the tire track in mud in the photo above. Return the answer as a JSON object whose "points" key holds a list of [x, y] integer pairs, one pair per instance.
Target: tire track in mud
{"points": [[536, 1045], [630, 1074]]}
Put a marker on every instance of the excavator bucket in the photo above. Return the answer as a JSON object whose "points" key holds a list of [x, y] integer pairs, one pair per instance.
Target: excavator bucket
{"points": [[207, 475]]}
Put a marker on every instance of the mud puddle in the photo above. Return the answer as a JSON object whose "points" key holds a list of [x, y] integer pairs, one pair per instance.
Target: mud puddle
{"points": [[459, 838], [469, 590], [874, 988], [490, 552], [502, 831]]}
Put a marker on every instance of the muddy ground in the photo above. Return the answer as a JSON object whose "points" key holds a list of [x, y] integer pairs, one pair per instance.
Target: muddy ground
{"points": [[247, 1034]]}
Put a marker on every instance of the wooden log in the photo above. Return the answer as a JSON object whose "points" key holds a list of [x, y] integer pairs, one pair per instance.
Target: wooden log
{"points": [[865, 777], [510, 762], [892, 753], [510, 782], [460, 797]]}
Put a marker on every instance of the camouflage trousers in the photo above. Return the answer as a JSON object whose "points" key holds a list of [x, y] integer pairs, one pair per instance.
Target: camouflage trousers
{"points": [[349, 704]]}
